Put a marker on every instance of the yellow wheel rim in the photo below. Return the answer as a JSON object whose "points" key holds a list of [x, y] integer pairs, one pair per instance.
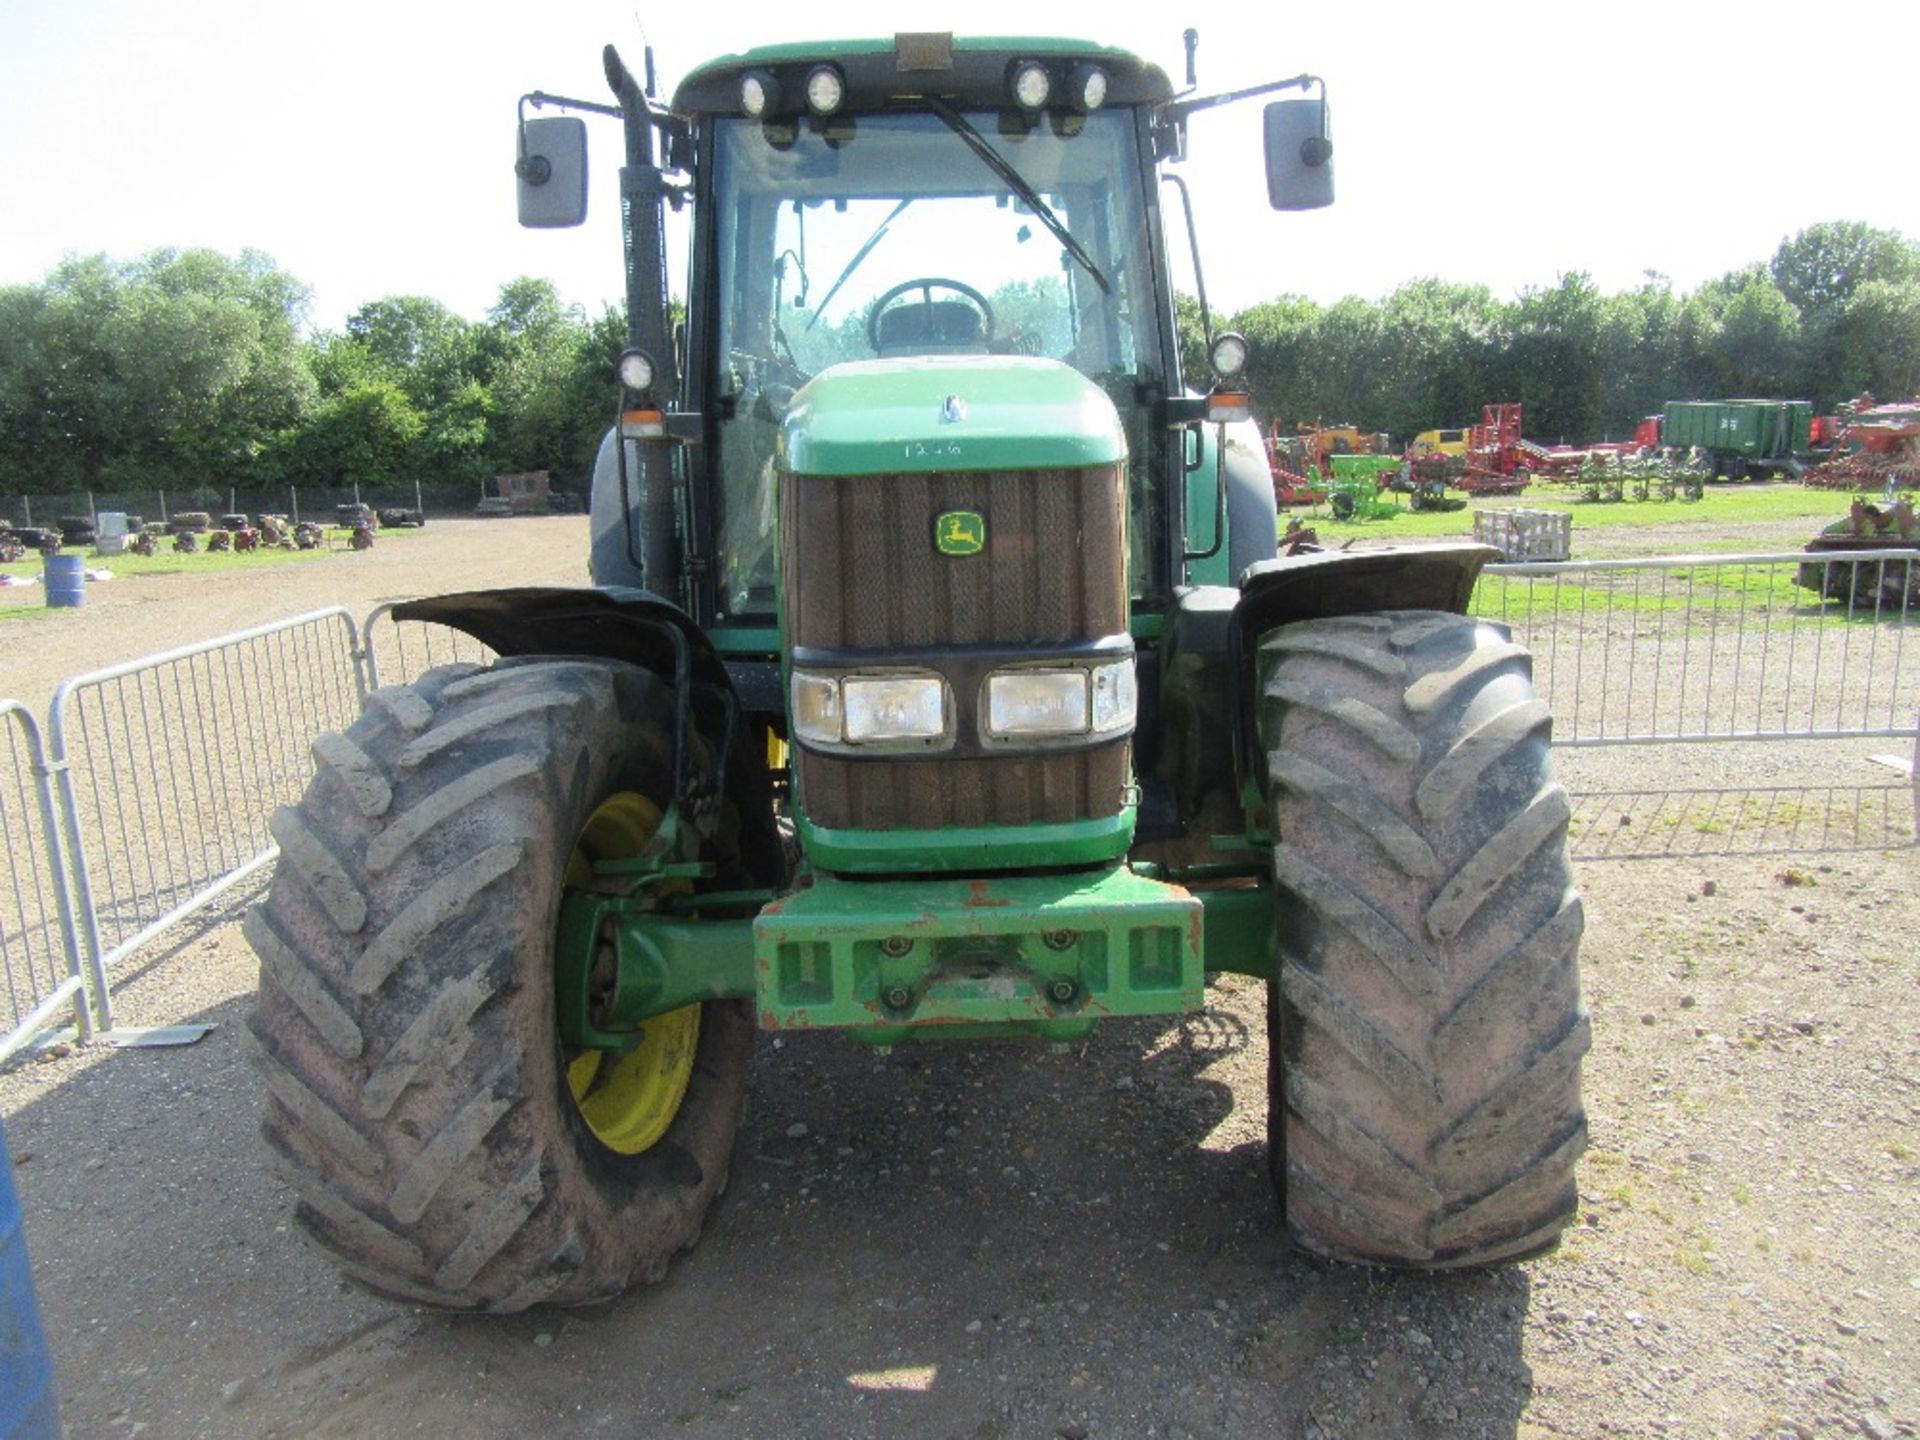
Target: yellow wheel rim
{"points": [[629, 1100]]}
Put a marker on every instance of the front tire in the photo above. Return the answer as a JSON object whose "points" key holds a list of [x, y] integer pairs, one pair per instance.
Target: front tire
{"points": [[1426, 1027], [418, 1100]]}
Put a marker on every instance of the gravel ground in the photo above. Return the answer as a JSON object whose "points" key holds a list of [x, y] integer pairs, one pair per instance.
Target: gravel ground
{"points": [[1001, 1240]]}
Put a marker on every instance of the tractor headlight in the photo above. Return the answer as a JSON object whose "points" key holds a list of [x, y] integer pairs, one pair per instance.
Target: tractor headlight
{"points": [[1037, 702], [1030, 85], [1115, 697], [759, 93], [895, 707], [1053, 704], [826, 90], [636, 370], [869, 709], [1087, 88], [817, 709], [1229, 356]]}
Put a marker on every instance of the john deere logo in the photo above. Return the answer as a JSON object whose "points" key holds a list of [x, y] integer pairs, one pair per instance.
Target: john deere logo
{"points": [[960, 532]]}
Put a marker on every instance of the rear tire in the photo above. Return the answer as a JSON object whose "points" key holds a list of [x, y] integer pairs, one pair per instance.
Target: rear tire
{"points": [[1426, 1027], [418, 1103]]}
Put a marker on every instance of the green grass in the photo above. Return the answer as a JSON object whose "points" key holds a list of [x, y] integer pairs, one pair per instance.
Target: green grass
{"points": [[1722, 505], [1698, 589]]}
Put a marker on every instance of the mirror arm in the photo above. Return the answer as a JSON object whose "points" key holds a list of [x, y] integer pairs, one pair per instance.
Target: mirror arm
{"points": [[1178, 110]]}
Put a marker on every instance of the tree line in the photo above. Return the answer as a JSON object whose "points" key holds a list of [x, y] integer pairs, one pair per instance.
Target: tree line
{"points": [[191, 369], [1834, 312]]}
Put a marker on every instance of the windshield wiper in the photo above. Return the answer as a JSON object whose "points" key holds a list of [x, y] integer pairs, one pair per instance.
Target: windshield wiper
{"points": [[865, 250], [1015, 182]]}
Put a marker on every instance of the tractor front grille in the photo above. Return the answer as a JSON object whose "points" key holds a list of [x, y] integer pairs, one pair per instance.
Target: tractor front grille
{"points": [[861, 573]]}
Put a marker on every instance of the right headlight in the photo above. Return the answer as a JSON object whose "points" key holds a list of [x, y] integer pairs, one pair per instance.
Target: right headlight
{"points": [[868, 709], [1056, 703]]}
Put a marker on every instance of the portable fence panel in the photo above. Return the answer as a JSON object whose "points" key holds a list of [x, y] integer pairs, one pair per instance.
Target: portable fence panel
{"points": [[1656, 823], [175, 763], [1794, 650], [398, 652], [40, 973], [1748, 647]]}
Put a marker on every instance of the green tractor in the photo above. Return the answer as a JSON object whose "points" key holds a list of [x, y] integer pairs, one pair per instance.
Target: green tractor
{"points": [[938, 682]]}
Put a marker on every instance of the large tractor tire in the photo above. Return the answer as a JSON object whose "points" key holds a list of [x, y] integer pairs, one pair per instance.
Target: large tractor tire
{"points": [[440, 1145], [1426, 1026]]}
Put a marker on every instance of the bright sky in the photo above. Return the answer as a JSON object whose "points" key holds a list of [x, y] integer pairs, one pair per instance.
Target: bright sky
{"points": [[367, 147]]}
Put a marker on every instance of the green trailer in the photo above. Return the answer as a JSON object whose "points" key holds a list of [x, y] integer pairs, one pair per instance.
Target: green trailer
{"points": [[1740, 436], [939, 681]]}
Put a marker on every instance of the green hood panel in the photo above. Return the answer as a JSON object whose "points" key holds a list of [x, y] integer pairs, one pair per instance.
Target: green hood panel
{"points": [[934, 413]]}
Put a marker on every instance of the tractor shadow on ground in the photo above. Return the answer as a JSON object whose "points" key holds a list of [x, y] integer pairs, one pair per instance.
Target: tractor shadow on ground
{"points": [[968, 1241]]}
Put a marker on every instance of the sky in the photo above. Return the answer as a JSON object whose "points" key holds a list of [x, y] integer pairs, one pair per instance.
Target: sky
{"points": [[368, 147]]}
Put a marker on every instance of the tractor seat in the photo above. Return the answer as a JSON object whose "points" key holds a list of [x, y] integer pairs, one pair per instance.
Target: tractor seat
{"points": [[939, 327]]}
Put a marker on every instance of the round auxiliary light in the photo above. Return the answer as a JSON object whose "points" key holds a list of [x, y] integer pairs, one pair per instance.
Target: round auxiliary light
{"points": [[636, 370], [826, 90], [1229, 355], [1087, 88], [1031, 85], [759, 93]]}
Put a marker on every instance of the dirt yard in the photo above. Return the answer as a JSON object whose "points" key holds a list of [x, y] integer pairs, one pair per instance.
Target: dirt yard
{"points": [[1005, 1241]]}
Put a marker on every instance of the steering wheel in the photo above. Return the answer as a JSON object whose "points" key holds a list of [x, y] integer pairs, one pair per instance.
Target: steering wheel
{"points": [[926, 285]]}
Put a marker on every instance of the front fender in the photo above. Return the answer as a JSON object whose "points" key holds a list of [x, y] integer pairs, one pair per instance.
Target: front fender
{"points": [[1323, 584], [613, 622], [641, 628]]}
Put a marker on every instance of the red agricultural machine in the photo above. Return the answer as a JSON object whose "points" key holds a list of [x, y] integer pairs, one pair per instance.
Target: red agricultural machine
{"points": [[1502, 461]]}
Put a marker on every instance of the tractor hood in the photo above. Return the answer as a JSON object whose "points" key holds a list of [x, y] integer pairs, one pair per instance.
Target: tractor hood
{"points": [[943, 413]]}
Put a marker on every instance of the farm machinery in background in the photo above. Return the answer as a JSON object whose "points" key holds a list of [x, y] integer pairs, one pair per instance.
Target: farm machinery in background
{"points": [[1876, 448], [1348, 470], [1502, 461], [1302, 463], [1739, 439]]}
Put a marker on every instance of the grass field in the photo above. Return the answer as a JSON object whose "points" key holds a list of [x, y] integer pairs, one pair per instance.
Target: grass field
{"points": [[1722, 506]]}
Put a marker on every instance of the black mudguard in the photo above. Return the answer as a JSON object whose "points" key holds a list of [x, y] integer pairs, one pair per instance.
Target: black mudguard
{"points": [[1213, 635], [644, 629]]}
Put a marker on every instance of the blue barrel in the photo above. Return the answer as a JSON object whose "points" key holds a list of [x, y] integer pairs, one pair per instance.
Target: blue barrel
{"points": [[29, 1409], [66, 580]]}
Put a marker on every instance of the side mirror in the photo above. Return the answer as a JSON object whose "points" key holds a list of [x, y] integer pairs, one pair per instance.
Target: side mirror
{"points": [[550, 166], [1299, 155]]}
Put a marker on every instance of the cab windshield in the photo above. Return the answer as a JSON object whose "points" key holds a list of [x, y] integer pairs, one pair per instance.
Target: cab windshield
{"points": [[887, 235]]}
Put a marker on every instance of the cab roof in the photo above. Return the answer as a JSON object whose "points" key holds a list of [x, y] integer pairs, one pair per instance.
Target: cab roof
{"points": [[970, 70]]}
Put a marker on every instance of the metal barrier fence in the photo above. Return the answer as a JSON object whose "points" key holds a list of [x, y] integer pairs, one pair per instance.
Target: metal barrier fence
{"points": [[1736, 647], [39, 948], [395, 653], [1686, 650], [169, 768]]}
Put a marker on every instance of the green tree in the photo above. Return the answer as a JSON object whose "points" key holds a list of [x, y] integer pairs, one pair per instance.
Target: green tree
{"points": [[1820, 268], [169, 370]]}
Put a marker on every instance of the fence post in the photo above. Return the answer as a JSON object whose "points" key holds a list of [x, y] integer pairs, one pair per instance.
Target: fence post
{"points": [[293, 499], [163, 507], [88, 917], [27, 500]]}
